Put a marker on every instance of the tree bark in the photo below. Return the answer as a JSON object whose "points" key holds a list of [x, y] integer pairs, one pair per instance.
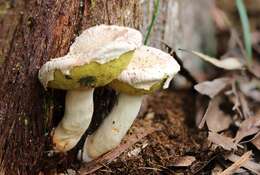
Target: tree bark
{"points": [[31, 33], [182, 24]]}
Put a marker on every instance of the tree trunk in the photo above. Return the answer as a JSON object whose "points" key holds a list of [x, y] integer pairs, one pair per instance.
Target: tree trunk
{"points": [[31, 33], [182, 24]]}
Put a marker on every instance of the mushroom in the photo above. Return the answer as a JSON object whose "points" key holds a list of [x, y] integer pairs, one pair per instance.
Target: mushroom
{"points": [[150, 69], [96, 57]]}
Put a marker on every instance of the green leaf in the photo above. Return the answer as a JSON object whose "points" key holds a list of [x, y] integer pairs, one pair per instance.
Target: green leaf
{"points": [[246, 29]]}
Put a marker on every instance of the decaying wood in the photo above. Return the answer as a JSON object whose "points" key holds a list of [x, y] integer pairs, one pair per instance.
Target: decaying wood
{"points": [[31, 33]]}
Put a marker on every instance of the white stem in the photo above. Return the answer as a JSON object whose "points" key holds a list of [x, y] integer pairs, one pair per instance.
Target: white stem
{"points": [[113, 128], [76, 119]]}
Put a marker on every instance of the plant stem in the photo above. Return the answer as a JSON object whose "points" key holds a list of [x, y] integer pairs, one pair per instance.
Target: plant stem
{"points": [[155, 14], [246, 29]]}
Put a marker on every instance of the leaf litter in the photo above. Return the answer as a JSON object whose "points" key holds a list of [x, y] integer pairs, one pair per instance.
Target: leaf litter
{"points": [[232, 115]]}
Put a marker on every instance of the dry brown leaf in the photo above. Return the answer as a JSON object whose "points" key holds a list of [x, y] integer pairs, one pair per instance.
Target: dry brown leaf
{"points": [[215, 118], [184, 161], [237, 164], [212, 88], [223, 141], [251, 89], [255, 67], [256, 141], [227, 63], [250, 165], [248, 127]]}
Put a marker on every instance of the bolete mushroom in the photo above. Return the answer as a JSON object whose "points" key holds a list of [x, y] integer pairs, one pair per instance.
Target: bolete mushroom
{"points": [[150, 69], [96, 57]]}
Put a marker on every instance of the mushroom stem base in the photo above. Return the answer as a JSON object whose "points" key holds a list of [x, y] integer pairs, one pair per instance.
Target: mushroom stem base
{"points": [[113, 128], [76, 119]]}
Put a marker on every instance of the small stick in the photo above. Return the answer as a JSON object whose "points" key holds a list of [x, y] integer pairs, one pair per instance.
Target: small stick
{"points": [[108, 157], [236, 165]]}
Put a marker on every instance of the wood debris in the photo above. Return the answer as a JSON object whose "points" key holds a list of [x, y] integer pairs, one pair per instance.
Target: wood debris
{"points": [[245, 161], [237, 164]]}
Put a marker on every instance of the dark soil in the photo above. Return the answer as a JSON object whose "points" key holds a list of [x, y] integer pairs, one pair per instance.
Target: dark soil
{"points": [[173, 113]]}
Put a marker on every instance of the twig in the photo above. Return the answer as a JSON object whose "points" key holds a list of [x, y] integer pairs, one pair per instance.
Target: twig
{"points": [[236, 165], [250, 165], [108, 157]]}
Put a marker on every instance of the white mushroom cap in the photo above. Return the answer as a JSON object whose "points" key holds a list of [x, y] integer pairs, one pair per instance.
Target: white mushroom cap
{"points": [[148, 67], [101, 44]]}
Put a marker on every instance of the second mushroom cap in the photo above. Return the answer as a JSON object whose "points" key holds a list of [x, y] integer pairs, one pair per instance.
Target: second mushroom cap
{"points": [[150, 69]]}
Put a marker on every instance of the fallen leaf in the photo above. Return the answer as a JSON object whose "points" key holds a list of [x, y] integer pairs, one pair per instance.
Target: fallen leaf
{"points": [[237, 164], [256, 141], [215, 118], [223, 141], [249, 164], [212, 88], [184, 161], [251, 89], [255, 67], [248, 127], [227, 63]]}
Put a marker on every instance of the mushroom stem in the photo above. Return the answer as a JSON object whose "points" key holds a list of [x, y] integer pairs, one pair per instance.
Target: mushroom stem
{"points": [[77, 117], [113, 128]]}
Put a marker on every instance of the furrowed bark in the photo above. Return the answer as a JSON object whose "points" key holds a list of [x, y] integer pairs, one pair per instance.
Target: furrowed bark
{"points": [[31, 33]]}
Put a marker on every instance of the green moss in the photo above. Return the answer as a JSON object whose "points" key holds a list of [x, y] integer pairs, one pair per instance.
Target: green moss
{"points": [[91, 75], [128, 89]]}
